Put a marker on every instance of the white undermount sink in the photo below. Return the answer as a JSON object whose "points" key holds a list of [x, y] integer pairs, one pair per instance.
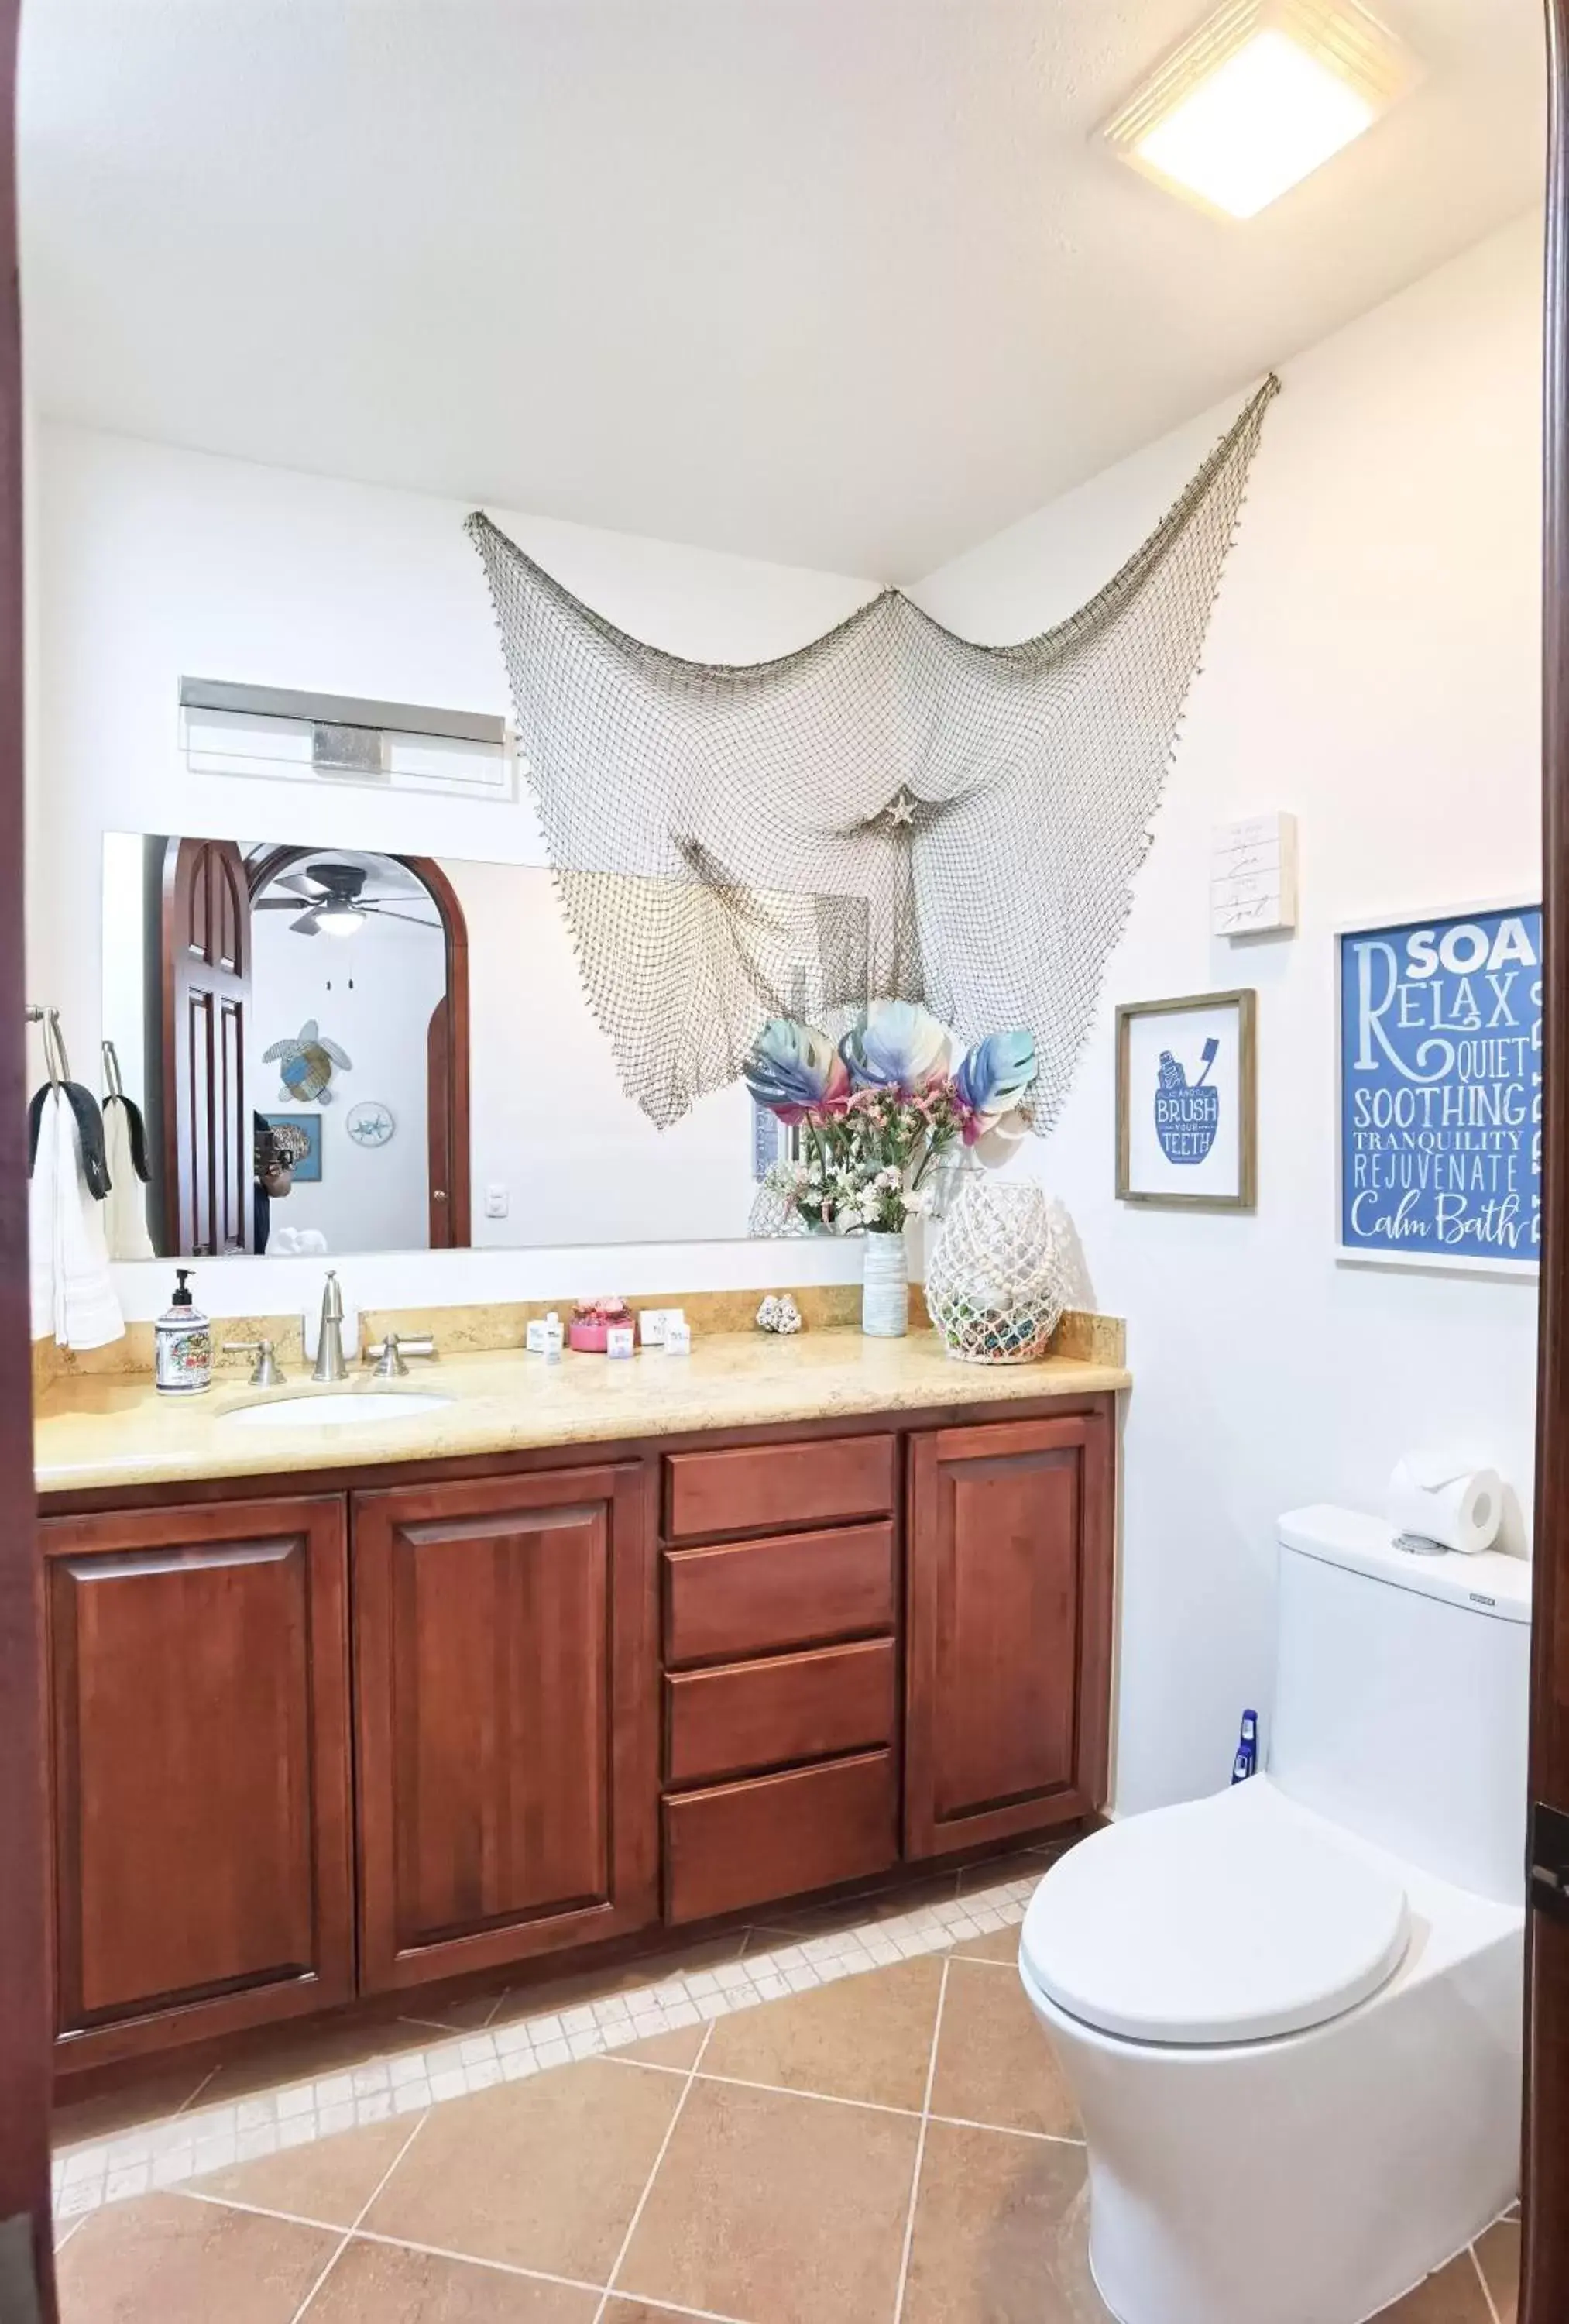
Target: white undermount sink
{"points": [[340, 1411]]}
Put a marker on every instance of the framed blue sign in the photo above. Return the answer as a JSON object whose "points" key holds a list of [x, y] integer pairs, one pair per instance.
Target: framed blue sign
{"points": [[1440, 1091]]}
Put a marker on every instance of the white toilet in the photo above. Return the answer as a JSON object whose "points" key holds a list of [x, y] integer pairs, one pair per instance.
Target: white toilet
{"points": [[1291, 2013]]}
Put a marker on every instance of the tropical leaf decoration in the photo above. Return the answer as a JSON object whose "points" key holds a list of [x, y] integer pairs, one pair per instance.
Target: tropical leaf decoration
{"points": [[898, 1044], [793, 1068], [993, 1077]]}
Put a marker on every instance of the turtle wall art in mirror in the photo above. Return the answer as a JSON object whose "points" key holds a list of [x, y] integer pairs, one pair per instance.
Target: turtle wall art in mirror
{"points": [[340, 1050]]}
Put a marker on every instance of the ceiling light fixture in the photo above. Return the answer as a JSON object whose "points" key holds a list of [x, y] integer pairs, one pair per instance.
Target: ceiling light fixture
{"points": [[1261, 94]]}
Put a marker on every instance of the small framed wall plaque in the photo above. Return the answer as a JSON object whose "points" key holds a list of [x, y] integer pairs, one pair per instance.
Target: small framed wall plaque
{"points": [[1187, 1103]]}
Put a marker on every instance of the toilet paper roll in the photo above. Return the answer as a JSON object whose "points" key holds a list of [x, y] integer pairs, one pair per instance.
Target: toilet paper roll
{"points": [[1442, 1501]]}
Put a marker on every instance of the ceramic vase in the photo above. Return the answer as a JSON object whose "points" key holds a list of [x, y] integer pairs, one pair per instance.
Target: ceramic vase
{"points": [[885, 1287], [996, 1285]]}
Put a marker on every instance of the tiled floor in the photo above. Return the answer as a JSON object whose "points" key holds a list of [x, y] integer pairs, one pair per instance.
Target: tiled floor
{"points": [[889, 2146]]}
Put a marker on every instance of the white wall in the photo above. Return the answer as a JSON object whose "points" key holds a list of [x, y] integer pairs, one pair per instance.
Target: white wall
{"points": [[153, 563], [1371, 667], [549, 1121], [372, 994]]}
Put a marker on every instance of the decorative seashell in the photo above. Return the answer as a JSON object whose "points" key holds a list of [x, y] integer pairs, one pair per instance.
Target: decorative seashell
{"points": [[779, 1312]]}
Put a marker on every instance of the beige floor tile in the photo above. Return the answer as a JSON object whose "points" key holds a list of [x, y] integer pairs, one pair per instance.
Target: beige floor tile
{"points": [[679, 2051], [866, 2037], [1001, 1946], [465, 2012], [780, 2209], [641, 2311], [1000, 2233], [855, 1912], [1499, 2251], [165, 2261], [996, 1870], [329, 2182], [637, 2311], [595, 1983], [296, 2055], [147, 2098], [1453, 2296], [382, 2283], [543, 2173], [994, 2062]]}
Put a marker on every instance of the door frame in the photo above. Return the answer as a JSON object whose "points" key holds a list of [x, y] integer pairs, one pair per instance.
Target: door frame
{"points": [[451, 1221], [1545, 2182], [26, 2234]]}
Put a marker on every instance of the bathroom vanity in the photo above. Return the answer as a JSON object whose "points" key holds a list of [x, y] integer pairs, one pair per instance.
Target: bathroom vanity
{"points": [[578, 1654]]}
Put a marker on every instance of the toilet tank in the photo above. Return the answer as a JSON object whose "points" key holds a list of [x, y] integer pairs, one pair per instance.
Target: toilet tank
{"points": [[1402, 1696]]}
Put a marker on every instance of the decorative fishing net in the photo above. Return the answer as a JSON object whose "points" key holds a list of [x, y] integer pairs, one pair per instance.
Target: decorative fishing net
{"points": [[891, 811]]}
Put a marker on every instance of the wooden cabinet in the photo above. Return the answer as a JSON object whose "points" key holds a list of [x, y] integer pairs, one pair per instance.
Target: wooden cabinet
{"points": [[795, 1632], [758, 1597], [199, 1685], [764, 1488], [587, 1695], [505, 1647], [1008, 1629], [742, 1844]]}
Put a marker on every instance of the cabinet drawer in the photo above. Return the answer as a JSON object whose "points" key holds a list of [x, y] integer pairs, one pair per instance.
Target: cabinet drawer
{"points": [[760, 1596], [762, 1487], [756, 1715], [779, 1836]]}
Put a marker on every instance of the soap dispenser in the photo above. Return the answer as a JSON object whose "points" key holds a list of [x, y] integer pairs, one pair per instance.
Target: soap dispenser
{"points": [[182, 1351]]}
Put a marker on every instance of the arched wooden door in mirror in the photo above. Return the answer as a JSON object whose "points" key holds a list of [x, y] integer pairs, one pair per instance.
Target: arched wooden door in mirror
{"points": [[207, 997], [296, 1020]]}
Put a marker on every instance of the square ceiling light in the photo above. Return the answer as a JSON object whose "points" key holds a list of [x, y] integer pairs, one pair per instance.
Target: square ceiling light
{"points": [[1261, 94]]}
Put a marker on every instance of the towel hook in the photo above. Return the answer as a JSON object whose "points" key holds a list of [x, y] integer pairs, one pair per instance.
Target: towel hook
{"points": [[115, 1086], [56, 1063]]}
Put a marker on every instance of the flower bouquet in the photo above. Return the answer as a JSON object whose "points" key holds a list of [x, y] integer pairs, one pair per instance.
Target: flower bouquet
{"points": [[873, 1112]]}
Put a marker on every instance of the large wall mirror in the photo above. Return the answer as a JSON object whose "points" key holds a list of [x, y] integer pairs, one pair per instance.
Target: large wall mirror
{"points": [[338, 1050]]}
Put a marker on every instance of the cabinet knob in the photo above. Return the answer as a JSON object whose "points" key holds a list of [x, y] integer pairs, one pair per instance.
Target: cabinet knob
{"points": [[438, 1193]]}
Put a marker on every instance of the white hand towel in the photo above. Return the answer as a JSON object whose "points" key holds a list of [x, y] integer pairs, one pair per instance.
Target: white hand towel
{"points": [[73, 1298], [126, 1212]]}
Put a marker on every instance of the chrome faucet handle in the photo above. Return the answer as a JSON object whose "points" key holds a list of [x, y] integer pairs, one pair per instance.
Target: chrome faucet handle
{"points": [[387, 1356], [267, 1372], [329, 1364]]}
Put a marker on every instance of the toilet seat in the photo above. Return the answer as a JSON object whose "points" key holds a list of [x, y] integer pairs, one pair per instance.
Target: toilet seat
{"points": [[1231, 1919]]}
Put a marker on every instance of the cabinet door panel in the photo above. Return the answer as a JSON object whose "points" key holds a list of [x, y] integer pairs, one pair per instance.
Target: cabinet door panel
{"points": [[508, 1718], [199, 1772], [1008, 1633]]}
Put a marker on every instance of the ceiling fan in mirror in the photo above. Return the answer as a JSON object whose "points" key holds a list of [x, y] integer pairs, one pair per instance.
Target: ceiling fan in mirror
{"points": [[335, 902]]}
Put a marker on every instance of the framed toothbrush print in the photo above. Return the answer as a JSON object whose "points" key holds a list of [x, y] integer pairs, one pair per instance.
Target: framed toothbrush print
{"points": [[1439, 1153], [1187, 1103]]}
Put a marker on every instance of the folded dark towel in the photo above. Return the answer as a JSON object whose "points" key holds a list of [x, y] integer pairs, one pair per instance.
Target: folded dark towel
{"points": [[89, 1129], [136, 1129]]}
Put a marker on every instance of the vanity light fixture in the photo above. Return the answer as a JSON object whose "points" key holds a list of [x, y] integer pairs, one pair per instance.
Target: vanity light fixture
{"points": [[1260, 96]]}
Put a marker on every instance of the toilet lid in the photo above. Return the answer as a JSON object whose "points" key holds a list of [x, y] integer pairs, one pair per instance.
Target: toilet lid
{"points": [[1228, 1920]]}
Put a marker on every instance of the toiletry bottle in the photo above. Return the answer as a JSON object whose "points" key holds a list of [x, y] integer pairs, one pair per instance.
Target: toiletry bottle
{"points": [[1246, 1761], [182, 1343]]}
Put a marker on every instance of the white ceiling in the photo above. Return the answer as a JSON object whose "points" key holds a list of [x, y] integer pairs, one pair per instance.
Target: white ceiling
{"points": [[839, 282]]}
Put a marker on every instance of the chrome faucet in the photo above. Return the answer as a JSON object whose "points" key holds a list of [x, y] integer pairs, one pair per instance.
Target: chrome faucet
{"points": [[269, 1372], [329, 1347], [387, 1356]]}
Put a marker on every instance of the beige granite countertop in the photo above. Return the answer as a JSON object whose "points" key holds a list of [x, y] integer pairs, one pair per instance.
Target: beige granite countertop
{"points": [[97, 1432]]}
